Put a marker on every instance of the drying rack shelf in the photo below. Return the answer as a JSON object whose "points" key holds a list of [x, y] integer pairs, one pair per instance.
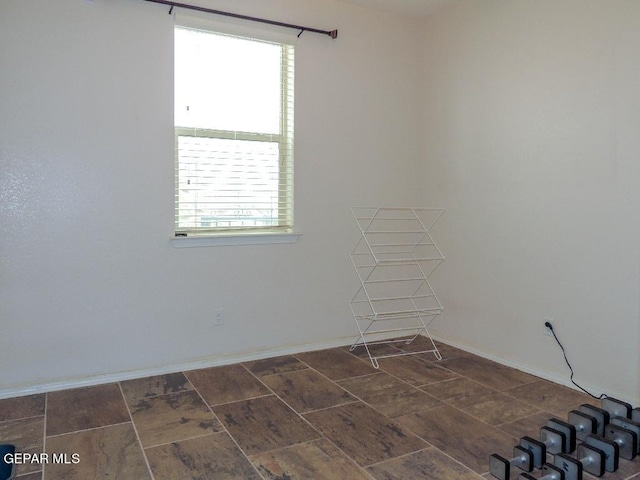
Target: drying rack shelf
{"points": [[394, 258]]}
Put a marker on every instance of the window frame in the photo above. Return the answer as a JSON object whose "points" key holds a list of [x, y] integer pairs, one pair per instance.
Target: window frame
{"points": [[283, 232]]}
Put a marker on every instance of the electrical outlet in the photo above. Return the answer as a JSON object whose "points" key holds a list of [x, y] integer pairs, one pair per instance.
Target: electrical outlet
{"points": [[218, 317], [547, 330]]}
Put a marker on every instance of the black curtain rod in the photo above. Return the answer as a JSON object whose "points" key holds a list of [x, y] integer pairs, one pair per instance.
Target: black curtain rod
{"points": [[331, 33]]}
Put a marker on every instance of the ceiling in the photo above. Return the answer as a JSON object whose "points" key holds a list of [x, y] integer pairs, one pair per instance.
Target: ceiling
{"points": [[415, 8]]}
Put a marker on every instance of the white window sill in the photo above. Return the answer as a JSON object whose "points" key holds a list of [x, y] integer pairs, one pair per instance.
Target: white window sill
{"points": [[242, 239]]}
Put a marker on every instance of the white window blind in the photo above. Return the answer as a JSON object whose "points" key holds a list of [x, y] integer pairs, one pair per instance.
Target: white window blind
{"points": [[234, 134]]}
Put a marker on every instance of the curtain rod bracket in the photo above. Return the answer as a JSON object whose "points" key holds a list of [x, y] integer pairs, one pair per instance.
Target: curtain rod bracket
{"points": [[301, 32], [171, 10]]}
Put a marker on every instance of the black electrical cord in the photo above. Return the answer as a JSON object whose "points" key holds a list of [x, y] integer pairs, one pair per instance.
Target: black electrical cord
{"points": [[550, 327]]}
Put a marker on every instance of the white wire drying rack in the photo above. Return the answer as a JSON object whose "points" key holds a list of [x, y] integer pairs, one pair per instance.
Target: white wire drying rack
{"points": [[394, 258]]}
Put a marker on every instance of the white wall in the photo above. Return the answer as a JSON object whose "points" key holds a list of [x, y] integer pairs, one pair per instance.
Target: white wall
{"points": [[526, 132], [531, 142], [90, 284]]}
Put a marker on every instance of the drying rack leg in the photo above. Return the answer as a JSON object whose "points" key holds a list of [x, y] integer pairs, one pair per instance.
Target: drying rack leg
{"points": [[361, 340]]}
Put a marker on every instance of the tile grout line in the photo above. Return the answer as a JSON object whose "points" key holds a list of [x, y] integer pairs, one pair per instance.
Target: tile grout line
{"points": [[443, 403], [446, 403], [322, 436], [232, 401], [429, 447], [135, 430], [506, 392], [28, 417], [539, 412], [347, 457], [358, 400], [81, 430], [409, 385], [439, 449], [222, 425], [186, 439], [381, 369], [502, 392], [495, 427], [283, 401], [241, 400], [309, 368], [467, 467], [44, 430], [432, 447], [206, 434]]}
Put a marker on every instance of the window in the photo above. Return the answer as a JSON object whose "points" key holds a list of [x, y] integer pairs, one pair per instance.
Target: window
{"points": [[234, 134]]}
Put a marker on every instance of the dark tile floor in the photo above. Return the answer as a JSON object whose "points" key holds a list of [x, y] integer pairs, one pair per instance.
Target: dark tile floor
{"points": [[317, 415]]}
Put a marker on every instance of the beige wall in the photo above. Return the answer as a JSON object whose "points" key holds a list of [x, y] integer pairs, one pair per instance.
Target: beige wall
{"points": [[531, 141], [90, 283]]}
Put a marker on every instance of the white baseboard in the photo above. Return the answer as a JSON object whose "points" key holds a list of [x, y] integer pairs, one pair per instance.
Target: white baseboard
{"points": [[565, 381], [22, 390]]}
